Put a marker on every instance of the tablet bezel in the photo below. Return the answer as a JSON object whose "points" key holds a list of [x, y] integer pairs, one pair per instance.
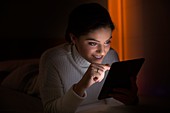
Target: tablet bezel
{"points": [[120, 69]]}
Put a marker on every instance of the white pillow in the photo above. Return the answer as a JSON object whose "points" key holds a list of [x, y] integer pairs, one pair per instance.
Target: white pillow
{"points": [[22, 78], [11, 65]]}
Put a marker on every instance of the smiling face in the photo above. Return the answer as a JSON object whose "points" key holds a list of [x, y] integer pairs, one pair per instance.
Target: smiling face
{"points": [[94, 46]]}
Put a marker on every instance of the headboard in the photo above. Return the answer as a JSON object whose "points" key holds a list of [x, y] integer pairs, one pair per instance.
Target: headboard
{"points": [[25, 48]]}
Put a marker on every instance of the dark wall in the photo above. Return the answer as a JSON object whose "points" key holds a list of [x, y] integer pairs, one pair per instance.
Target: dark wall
{"points": [[29, 27], [37, 18], [156, 41]]}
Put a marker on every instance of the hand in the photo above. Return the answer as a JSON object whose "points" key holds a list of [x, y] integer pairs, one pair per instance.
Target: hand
{"points": [[127, 96], [95, 73]]}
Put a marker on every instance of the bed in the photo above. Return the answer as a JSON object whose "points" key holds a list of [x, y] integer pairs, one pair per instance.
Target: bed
{"points": [[19, 62]]}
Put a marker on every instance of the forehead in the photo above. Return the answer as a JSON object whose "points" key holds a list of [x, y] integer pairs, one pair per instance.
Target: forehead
{"points": [[98, 34]]}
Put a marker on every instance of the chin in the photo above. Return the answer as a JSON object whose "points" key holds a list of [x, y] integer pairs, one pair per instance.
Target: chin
{"points": [[97, 61]]}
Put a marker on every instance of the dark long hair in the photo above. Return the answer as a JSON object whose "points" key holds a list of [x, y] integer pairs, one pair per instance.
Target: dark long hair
{"points": [[86, 18]]}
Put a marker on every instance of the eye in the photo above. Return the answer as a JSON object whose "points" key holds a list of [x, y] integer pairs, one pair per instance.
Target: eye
{"points": [[108, 42], [92, 43]]}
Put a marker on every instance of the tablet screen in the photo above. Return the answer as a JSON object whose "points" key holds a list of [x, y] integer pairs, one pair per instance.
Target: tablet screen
{"points": [[119, 76]]}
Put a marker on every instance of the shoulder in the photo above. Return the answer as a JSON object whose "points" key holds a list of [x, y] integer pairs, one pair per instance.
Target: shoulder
{"points": [[112, 56], [113, 53], [57, 51]]}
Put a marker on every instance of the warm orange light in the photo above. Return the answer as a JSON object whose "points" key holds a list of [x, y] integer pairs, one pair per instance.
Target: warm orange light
{"points": [[115, 10]]}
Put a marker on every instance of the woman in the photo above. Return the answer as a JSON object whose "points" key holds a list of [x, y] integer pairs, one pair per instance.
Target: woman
{"points": [[73, 73]]}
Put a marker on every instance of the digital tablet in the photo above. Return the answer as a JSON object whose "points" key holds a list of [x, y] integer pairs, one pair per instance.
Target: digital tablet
{"points": [[119, 76]]}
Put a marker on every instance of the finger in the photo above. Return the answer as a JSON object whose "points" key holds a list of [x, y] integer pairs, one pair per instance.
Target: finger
{"points": [[102, 67], [95, 79], [97, 70], [98, 76], [97, 66], [106, 67]]}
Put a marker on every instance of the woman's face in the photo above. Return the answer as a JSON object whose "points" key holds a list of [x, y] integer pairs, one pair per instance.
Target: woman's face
{"points": [[94, 46]]}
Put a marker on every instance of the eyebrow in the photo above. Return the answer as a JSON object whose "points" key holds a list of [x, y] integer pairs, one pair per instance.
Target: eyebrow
{"points": [[96, 40], [92, 39]]}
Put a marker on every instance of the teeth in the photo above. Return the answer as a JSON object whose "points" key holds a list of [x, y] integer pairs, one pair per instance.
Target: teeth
{"points": [[98, 56]]}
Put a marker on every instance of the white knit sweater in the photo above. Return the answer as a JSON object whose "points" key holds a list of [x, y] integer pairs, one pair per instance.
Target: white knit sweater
{"points": [[60, 68]]}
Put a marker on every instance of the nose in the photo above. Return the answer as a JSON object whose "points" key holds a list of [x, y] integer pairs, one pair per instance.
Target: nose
{"points": [[101, 49]]}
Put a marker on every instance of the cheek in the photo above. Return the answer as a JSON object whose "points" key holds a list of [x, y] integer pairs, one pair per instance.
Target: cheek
{"points": [[88, 50]]}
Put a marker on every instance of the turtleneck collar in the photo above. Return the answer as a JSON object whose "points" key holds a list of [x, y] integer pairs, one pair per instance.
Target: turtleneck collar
{"points": [[78, 58]]}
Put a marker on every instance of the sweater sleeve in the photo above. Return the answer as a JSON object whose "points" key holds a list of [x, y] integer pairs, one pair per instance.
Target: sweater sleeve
{"points": [[54, 98], [68, 103], [69, 98]]}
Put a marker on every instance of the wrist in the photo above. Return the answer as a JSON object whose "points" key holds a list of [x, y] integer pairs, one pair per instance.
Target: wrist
{"points": [[78, 90]]}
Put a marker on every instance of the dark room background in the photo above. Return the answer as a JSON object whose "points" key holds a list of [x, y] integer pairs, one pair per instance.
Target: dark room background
{"points": [[37, 18], [148, 36]]}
